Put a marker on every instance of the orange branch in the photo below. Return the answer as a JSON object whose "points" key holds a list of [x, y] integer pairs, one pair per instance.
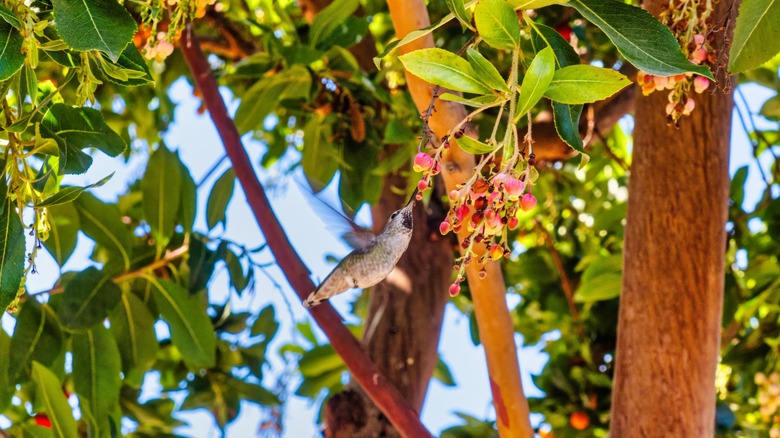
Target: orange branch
{"points": [[489, 294]]}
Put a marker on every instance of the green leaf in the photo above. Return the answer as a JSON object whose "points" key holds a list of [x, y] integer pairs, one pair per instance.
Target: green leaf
{"points": [[756, 35], [220, 196], [7, 387], [442, 374], [312, 386], [478, 101], [473, 146], [444, 68], [771, 109], [565, 54], [738, 186], [12, 247], [94, 25], [88, 299], [11, 56], [238, 280], [266, 324], [534, 4], [103, 223], [567, 124], [189, 198], [414, 36], [579, 84], [535, 82], [254, 393], [319, 160], [161, 188], [320, 360], [54, 403], [133, 328], [64, 223], [261, 99], [639, 37], [602, 280], [69, 194], [132, 60], [9, 17], [485, 70], [96, 379], [497, 24], [191, 329], [330, 19], [82, 128], [37, 336], [458, 8]]}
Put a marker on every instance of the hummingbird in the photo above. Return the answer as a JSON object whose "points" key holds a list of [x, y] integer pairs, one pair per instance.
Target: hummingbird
{"points": [[372, 260]]}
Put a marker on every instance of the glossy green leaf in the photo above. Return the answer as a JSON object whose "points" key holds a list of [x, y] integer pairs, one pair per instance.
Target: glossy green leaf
{"points": [[220, 196], [94, 25], [537, 79], [579, 84], [485, 70], [189, 198], [266, 324], [11, 56], [261, 99], [330, 19], [238, 280], [639, 37], [458, 8], [444, 68], [133, 328], [602, 280], [545, 36], [567, 124], [771, 109], [53, 401], [161, 188], [103, 223], [254, 393], [443, 374], [96, 376], [37, 336], [473, 146], [318, 159], [9, 17], [414, 36], [497, 24], [64, 223], [132, 60], [756, 35], [88, 299], [70, 193], [191, 329], [12, 248], [737, 189], [534, 4], [82, 128], [7, 387], [478, 101], [320, 360]]}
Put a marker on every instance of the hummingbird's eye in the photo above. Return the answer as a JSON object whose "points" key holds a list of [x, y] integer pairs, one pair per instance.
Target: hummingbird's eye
{"points": [[392, 216]]}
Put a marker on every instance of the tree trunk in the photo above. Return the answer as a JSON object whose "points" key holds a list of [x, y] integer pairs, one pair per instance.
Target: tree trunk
{"points": [[404, 340], [670, 308]]}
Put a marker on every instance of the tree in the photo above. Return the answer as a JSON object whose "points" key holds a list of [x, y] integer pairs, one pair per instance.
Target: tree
{"points": [[521, 194]]}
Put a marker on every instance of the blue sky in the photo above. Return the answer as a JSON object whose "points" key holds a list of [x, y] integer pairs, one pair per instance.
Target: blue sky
{"points": [[194, 136]]}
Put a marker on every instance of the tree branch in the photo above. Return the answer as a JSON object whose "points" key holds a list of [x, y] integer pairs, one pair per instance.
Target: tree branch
{"points": [[489, 294], [365, 372]]}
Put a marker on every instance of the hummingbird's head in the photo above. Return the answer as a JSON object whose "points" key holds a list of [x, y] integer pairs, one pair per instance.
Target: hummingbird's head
{"points": [[401, 220]]}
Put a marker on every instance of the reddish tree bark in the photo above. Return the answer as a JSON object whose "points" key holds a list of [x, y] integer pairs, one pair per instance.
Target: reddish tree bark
{"points": [[670, 308]]}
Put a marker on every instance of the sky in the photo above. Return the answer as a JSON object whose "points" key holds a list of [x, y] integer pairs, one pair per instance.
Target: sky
{"points": [[195, 138]]}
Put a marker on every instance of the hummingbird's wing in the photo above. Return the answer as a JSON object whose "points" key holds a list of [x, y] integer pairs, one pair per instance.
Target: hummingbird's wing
{"points": [[343, 227]]}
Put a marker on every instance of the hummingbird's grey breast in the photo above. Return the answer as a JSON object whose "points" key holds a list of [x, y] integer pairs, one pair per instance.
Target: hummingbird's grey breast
{"points": [[364, 267]]}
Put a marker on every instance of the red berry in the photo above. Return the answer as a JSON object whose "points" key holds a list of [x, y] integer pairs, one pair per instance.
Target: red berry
{"points": [[527, 202], [579, 420], [43, 420], [445, 227], [454, 289]]}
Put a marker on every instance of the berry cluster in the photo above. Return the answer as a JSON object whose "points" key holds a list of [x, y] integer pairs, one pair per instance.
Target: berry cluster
{"points": [[159, 31], [690, 22], [486, 207], [769, 400]]}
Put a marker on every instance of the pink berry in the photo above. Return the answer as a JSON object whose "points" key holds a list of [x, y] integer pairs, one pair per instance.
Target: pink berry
{"points": [[422, 162], [445, 227], [454, 289], [498, 179], [462, 212], [422, 185], [512, 223], [527, 202], [514, 188], [700, 83], [699, 55], [454, 195], [698, 39]]}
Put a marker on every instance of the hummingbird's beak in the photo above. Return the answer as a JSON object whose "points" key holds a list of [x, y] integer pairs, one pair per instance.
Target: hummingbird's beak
{"points": [[412, 198]]}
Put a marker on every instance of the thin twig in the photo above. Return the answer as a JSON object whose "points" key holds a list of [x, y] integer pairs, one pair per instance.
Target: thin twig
{"points": [[566, 285]]}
